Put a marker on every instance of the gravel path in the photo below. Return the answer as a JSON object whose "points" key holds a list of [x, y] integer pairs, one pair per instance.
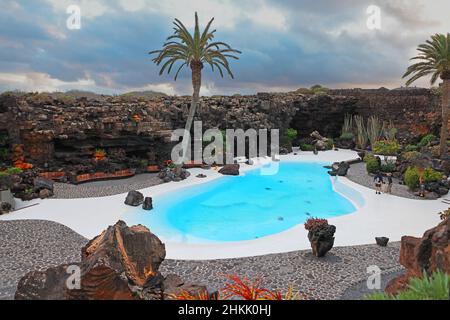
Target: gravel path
{"points": [[27, 245], [105, 188], [357, 173]]}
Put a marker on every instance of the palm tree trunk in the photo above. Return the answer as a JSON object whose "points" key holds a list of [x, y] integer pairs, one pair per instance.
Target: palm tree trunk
{"points": [[196, 84], [445, 117]]}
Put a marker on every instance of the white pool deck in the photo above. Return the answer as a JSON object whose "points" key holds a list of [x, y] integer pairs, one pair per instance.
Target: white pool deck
{"points": [[380, 215]]}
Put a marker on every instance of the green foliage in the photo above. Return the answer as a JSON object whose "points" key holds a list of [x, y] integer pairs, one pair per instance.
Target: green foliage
{"points": [[318, 89], [194, 49], [411, 156], [347, 127], [431, 175], [361, 132], [307, 147], [426, 140], [411, 147], [434, 287], [412, 178], [388, 167], [347, 136], [14, 170], [433, 59], [386, 147], [374, 130], [373, 166], [389, 130], [291, 133], [372, 163]]}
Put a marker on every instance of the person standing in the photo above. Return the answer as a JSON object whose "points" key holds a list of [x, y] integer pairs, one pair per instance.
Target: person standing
{"points": [[378, 179], [390, 183]]}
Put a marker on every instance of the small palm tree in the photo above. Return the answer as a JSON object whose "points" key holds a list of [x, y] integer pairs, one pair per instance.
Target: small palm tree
{"points": [[434, 59], [194, 51]]}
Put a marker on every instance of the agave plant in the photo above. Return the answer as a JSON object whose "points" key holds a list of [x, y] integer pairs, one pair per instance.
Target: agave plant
{"points": [[374, 130], [194, 51], [434, 61], [361, 132]]}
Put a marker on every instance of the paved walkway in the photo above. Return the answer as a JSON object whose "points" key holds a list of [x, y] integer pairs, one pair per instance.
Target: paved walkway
{"points": [[27, 245], [105, 188], [357, 173]]}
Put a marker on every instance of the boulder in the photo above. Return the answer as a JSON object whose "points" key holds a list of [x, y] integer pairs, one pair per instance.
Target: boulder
{"points": [[42, 183], [339, 169], [117, 264], [426, 254], [5, 207], [45, 193], [382, 241], [148, 203], [322, 240], [230, 169], [134, 198]]}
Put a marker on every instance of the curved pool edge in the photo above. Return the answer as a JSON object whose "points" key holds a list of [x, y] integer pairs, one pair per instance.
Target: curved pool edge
{"points": [[382, 215]]}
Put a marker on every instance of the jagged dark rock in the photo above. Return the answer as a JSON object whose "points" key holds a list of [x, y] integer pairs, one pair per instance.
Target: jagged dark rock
{"points": [[134, 198], [148, 203], [230, 169]]}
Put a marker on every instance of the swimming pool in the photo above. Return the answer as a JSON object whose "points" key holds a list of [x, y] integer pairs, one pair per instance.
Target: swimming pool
{"points": [[246, 207]]}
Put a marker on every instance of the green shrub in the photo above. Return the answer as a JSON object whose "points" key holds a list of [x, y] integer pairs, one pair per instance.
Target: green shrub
{"points": [[411, 156], [426, 140], [434, 287], [318, 89], [431, 175], [307, 147], [291, 133], [388, 167], [372, 163], [386, 147], [330, 144], [412, 178], [4, 174], [411, 147], [14, 170], [347, 136]]}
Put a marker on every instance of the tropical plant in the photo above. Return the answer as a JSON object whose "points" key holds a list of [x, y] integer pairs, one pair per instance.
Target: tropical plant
{"points": [[241, 288], [361, 132], [411, 156], [412, 178], [411, 147], [434, 287], [427, 140], [291, 133], [372, 165], [194, 51], [389, 130], [374, 130], [347, 127], [386, 147], [434, 60]]}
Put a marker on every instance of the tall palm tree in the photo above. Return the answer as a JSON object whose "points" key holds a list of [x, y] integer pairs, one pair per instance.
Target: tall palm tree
{"points": [[434, 59], [194, 51]]}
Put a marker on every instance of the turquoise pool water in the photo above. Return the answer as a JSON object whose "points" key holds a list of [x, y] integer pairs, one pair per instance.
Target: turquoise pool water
{"points": [[244, 207]]}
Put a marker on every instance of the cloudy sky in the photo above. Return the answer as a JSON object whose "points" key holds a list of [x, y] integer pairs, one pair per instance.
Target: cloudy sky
{"points": [[286, 44]]}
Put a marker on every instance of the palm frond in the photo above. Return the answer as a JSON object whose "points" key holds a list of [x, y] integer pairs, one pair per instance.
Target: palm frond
{"points": [[434, 57], [196, 48]]}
